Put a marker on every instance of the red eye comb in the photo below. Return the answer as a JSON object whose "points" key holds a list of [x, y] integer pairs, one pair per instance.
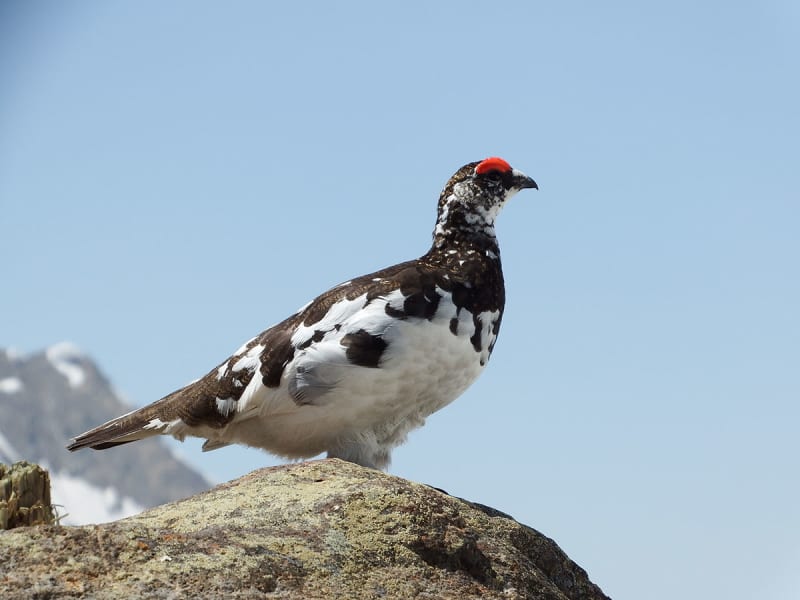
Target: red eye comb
{"points": [[493, 164]]}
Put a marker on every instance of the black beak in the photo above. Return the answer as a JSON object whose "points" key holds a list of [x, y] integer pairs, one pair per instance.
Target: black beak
{"points": [[522, 181]]}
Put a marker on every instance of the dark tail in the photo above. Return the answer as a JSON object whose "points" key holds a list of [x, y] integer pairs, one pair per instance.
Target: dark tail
{"points": [[136, 425], [122, 430]]}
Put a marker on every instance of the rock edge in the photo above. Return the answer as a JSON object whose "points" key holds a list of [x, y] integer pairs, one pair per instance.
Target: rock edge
{"points": [[321, 529]]}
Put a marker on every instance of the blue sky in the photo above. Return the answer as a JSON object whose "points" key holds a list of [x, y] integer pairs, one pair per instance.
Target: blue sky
{"points": [[176, 177]]}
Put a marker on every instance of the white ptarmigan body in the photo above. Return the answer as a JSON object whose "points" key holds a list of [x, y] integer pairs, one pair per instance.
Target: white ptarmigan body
{"points": [[357, 413], [353, 371]]}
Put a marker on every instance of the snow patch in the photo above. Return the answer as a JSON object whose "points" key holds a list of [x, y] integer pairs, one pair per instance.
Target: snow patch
{"points": [[64, 358], [10, 385], [8, 453], [84, 503]]}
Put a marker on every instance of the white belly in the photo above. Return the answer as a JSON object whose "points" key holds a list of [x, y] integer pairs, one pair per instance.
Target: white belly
{"points": [[357, 411]]}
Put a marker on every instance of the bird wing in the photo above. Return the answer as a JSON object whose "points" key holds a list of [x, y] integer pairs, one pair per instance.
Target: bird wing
{"points": [[351, 335]]}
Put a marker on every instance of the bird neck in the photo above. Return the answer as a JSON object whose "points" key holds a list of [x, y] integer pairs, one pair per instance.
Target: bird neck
{"points": [[463, 229], [466, 218], [461, 249]]}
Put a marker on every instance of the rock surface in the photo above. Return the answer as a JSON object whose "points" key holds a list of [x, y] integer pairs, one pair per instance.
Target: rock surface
{"points": [[324, 529]]}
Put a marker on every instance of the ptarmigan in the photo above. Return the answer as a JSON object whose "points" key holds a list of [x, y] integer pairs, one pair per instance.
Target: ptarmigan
{"points": [[356, 369]]}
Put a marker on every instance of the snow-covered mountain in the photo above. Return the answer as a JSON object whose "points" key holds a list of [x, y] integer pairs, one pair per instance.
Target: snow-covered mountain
{"points": [[48, 397]]}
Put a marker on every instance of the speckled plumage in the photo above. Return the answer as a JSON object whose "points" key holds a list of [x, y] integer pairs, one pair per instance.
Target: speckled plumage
{"points": [[353, 371]]}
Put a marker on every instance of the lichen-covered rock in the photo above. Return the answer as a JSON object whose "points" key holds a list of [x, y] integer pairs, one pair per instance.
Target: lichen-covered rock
{"points": [[24, 496], [324, 529]]}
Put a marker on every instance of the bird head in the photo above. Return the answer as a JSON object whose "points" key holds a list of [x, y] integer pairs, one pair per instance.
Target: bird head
{"points": [[474, 196]]}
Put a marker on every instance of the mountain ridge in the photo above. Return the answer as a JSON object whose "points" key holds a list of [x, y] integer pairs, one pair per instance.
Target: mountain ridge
{"points": [[47, 397]]}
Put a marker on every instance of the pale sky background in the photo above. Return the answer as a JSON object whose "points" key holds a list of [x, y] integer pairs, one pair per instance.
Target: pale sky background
{"points": [[177, 176]]}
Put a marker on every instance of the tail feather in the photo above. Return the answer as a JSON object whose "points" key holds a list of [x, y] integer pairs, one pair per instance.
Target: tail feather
{"points": [[105, 445], [127, 428], [138, 424], [193, 410]]}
